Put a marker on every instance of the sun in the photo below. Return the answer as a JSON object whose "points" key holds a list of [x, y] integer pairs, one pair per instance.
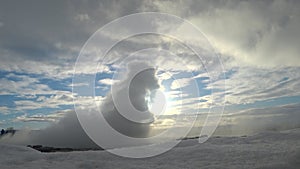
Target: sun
{"points": [[160, 102]]}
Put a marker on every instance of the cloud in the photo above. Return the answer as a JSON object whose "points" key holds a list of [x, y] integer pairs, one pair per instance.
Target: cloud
{"points": [[248, 85], [4, 109], [67, 132], [40, 117], [266, 39], [82, 17], [180, 83], [107, 81], [53, 101], [258, 41], [270, 37], [23, 85], [47, 43]]}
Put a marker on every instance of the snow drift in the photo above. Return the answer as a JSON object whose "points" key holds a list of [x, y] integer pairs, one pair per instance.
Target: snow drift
{"points": [[265, 150]]}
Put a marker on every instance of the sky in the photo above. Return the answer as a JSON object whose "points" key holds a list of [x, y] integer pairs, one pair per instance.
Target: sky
{"points": [[257, 42]]}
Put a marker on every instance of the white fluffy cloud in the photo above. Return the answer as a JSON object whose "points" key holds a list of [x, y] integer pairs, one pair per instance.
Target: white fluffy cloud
{"points": [[107, 81], [53, 101], [24, 85], [180, 83], [4, 109]]}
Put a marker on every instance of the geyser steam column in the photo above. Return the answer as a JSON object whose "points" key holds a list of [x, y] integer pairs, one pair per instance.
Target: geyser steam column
{"points": [[123, 118], [126, 107]]}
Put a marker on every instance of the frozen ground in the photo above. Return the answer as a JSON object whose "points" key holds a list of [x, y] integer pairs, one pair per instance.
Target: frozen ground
{"points": [[273, 150]]}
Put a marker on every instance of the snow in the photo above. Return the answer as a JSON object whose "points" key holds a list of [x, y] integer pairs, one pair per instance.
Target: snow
{"points": [[266, 150]]}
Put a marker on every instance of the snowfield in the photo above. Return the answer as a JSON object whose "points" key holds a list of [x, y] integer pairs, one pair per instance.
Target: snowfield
{"points": [[269, 150]]}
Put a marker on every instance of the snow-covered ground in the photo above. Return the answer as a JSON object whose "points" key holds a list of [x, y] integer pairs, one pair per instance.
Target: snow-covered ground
{"points": [[267, 150]]}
